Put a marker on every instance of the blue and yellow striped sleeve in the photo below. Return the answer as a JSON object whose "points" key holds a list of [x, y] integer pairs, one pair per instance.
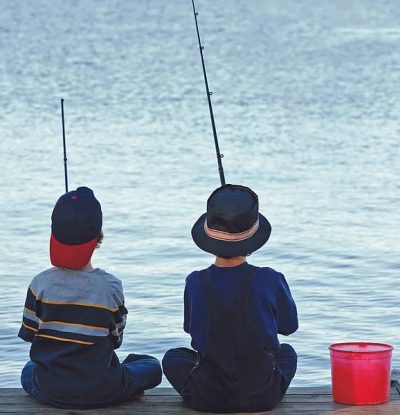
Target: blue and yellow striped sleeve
{"points": [[30, 321]]}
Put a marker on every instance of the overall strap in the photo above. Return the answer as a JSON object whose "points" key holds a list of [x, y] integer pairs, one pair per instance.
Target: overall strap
{"points": [[244, 292], [210, 295]]}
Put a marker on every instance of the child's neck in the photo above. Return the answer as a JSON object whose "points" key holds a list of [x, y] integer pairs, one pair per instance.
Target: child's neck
{"points": [[88, 266], [229, 262]]}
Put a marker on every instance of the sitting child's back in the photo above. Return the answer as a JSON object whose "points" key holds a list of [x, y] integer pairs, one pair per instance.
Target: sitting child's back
{"points": [[234, 312], [75, 320], [74, 316]]}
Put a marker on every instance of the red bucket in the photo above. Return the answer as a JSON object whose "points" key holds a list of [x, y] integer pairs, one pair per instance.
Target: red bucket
{"points": [[360, 372]]}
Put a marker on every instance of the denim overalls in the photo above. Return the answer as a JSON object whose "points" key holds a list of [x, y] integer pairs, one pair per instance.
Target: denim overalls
{"points": [[235, 373]]}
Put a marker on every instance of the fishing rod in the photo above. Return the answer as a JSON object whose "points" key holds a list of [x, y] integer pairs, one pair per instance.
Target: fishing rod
{"points": [[65, 150], [219, 155]]}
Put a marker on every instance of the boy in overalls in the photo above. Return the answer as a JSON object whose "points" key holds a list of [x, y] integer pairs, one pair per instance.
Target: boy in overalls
{"points": [[234, 312], [74, 316]]}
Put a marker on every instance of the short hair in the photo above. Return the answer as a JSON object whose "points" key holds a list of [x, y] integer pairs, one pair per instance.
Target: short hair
{"points": [[100, 240]]}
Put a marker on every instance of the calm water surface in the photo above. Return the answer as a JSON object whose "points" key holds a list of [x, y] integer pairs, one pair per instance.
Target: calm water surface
{"points": [[307, 107]]}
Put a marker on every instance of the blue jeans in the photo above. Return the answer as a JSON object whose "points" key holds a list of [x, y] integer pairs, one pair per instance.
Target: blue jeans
{"points": [[178, 363], [144, 372], [27, 382]]}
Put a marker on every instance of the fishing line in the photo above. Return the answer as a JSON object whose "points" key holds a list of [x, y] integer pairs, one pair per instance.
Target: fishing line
{"points": [[65, 150], [219, 155]]}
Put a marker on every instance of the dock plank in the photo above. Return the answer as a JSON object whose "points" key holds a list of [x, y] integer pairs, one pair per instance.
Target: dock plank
{"points": [[298, 401]]}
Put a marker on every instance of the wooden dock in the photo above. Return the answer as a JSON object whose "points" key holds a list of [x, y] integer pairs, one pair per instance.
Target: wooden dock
{"points": [[302, 401]]}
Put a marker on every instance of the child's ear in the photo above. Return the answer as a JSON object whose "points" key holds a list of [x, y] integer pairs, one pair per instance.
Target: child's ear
{"points": [[100, 239]]}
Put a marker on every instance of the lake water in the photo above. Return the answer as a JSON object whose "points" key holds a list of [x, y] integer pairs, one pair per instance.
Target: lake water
{"points": [[307, 107]]}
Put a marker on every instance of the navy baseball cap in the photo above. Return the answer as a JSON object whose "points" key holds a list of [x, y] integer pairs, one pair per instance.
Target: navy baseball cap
{"points": [[76, 224]]}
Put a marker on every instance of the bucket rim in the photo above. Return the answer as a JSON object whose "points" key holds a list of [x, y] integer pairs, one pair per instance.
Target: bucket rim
{"points": [[386, 347]]}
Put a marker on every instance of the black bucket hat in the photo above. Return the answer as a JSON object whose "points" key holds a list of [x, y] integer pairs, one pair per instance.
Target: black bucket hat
{"points": [[232, 225]]}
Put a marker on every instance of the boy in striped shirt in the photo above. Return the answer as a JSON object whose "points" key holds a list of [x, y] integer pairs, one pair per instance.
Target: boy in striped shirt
{"points": [[74, 316]]}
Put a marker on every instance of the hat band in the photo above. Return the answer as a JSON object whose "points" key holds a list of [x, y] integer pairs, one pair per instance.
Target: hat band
{"points": [[231, 237]]}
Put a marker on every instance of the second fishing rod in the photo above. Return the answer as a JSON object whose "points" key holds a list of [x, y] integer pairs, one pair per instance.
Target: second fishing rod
{"points": [[64, 146], [201, 47]]}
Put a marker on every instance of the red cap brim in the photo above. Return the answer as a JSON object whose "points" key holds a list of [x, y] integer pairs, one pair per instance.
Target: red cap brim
{"points": [[71, 256]]}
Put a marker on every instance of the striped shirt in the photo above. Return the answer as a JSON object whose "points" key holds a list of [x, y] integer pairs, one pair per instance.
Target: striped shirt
{"points": [[75, 319]]}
